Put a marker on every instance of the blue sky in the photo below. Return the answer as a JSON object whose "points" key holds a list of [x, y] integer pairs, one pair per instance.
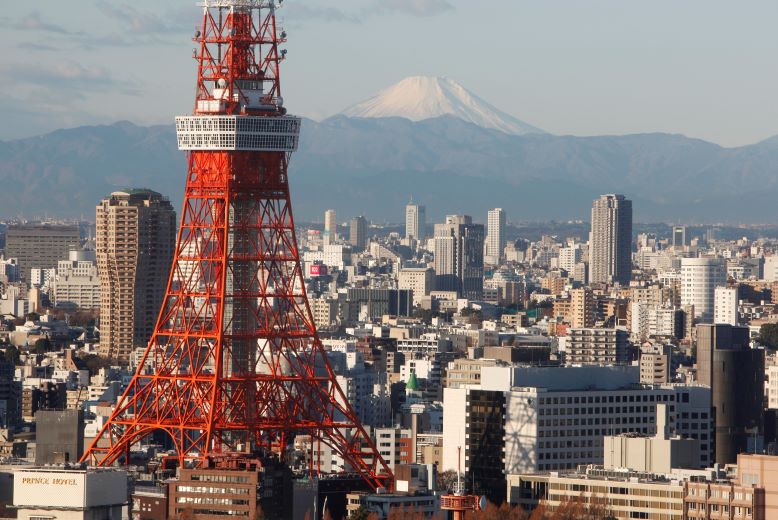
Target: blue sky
{"points": [[706, 69]]}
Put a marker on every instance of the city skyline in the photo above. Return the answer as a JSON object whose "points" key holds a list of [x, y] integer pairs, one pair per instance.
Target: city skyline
{"points": [[200, 350]]}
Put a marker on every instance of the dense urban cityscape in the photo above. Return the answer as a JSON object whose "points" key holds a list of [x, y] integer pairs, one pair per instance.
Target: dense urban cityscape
{"points": [[224, 360]]}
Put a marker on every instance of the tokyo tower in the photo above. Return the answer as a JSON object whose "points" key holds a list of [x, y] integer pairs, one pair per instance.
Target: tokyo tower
{"points": [[235, 363]]}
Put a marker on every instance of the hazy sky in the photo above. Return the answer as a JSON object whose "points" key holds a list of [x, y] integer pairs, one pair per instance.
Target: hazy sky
{"points": [[704, 68]]}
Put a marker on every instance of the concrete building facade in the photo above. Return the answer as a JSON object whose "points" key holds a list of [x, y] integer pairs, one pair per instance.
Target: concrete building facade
{"points": [[135, 242], [610, 241], [495, 236], [415, 222], [699, 279], [40, 245]]}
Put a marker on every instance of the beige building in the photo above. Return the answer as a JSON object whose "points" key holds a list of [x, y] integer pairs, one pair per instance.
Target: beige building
{"points": [[420, 280], [655, 361], [464, 371], [325, 312], [623, 495], [135, 242], [658, 453], [581, 308]]}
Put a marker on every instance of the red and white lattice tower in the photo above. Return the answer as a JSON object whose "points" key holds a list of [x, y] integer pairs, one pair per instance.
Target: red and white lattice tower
{"points": [[235, 363]]}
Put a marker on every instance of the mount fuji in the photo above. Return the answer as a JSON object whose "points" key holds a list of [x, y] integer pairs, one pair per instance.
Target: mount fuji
{"points": [[422, 97]]}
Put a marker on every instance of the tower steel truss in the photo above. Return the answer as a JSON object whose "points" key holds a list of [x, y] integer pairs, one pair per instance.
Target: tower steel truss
{"points": [[235, 363]]}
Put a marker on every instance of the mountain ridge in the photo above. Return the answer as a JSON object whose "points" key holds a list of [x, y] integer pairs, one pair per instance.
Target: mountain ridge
{"points": [[373, 166]]}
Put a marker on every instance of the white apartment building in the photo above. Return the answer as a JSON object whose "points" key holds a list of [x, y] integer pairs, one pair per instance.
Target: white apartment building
{"points": [[428, 344], [76, 284], [699, 279], [651, 320], [569, 256], [42, 277], [389, 445], [495, 236], [725, 305], [332, 255]]}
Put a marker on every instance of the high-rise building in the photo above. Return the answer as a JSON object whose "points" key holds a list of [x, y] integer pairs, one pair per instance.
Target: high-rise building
{"points": [[40, 245], [459, 256], [415, 221], [610, 242], [735, 373], [330, 227], [699, 279], [679, 236], [358, 233], [495, 236], [725, 305], [136, 236], [582, 308]]}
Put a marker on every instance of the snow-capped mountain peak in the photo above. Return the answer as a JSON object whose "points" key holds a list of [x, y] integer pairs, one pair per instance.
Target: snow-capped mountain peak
{"points": [[423, 97]]}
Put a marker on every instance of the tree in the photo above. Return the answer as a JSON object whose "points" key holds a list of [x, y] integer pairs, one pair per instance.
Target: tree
{"points": [[446, 480], [504, 512], [11, 355], [33, 316], [42, 346], [768, 335], [94, 363], [362, 514]]}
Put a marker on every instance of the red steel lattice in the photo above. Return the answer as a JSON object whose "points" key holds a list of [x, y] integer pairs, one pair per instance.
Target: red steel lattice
{"points": [[235, 360]]}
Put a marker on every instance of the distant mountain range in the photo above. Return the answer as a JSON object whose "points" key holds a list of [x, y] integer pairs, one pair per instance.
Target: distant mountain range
{"points": [[372, 165]]}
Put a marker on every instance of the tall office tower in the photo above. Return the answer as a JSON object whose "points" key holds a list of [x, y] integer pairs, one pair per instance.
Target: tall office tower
{"points": [[330, 227], [415, 221], [699, 279], [610, 247], [679, 236], [40, 245], [459, 260], [358, 233], [735, 373], [725, 305], [136, 236], [495, 237], [582, 308]]}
